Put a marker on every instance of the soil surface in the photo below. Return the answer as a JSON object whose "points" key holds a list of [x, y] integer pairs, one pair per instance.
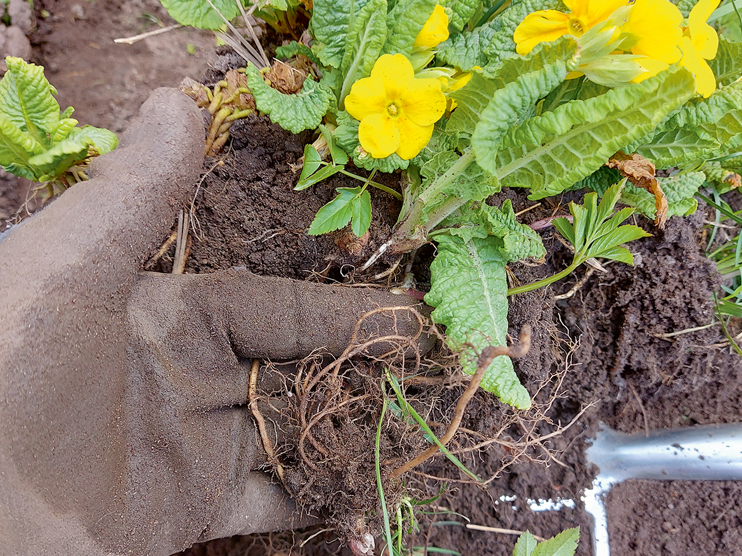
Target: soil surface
{"points": [[600, 346]]}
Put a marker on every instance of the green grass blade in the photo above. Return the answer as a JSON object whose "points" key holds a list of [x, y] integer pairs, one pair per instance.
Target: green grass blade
{"points": [[423, 425], [380, 488]]}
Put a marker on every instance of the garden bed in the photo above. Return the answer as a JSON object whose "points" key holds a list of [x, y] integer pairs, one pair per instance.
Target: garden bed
{"points": [[601, 346]]}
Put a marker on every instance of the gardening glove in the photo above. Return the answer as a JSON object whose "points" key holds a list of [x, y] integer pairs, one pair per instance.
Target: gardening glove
{"points": [[124, 423]]}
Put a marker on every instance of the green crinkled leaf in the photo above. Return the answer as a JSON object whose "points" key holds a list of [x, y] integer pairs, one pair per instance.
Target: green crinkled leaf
{"points": [[679, 190], [727, 65], [526, 545], [295, 48], [695, 132], [469, 293], [471, 101], [346, 135], [26, 99], [350, 203], [519, 242], [364, 43], [565, 49], [461, 11], [466, 50], [502, 45], [54, 161], [717, 173], [600, 180], [198, 13], [63, 129], [699, 112], [441, 141], [553, 151], [472, 184], [685, 6], [564, 544], [677, 146], [330, 22], [405, 21], [474, 97], [727, 131], [103, 140], [294, 113], [507, 106], [16, 146]]}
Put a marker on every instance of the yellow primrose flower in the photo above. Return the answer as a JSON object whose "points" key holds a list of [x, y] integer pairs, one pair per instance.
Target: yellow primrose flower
{"points": [[435, 30], [549, 25], [700, 43], [396, 110], [655, 25]]}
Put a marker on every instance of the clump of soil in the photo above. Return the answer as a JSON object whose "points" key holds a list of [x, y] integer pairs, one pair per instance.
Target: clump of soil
{"points": [[247, 213]]}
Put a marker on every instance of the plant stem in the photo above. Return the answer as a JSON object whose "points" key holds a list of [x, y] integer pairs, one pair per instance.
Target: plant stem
{"points": [[546, 281], [411, 221], [384, 188]]}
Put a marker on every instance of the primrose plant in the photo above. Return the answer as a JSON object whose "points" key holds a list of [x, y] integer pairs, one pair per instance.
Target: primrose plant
{"points": [[39, 142], [467, 97]]}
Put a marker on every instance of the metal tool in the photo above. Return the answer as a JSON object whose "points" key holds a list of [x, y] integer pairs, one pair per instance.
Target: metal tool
{"points": [[700, 453]]}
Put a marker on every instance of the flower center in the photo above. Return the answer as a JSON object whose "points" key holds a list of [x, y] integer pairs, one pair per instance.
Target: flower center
{"points": [[576, 26], [392, 109]]}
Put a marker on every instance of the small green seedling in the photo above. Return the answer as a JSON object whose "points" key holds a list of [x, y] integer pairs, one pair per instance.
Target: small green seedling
{"points": [[39, 142], [595, 232], [564, 544]]}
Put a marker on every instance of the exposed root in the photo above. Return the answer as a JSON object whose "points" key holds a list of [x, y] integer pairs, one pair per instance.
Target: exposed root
{"points": [[253, 398], [325, 403], [485, 359]]}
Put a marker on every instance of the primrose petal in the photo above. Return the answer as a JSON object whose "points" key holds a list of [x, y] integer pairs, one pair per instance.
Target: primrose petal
{"points": [[652, 66], [656, 23], [578, 8], [367, 96], [378, 135], [598, 11], [395, 71], [413, 137], [435, 30], [538, 27], [423, 102], [704, 37], [705, 79]]}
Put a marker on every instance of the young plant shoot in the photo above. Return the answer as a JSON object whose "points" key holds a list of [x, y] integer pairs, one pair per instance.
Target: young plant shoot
{"points": [[37, 140]]}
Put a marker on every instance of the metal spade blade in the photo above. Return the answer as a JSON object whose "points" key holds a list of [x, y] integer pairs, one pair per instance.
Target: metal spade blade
{"points": [[701, 453]]}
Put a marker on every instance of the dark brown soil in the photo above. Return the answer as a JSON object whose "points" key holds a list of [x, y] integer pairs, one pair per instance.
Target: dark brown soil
{"points": [[248, 214]]}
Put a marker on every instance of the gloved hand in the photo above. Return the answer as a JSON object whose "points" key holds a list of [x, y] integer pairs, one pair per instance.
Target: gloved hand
{"points": [[124, 427]]}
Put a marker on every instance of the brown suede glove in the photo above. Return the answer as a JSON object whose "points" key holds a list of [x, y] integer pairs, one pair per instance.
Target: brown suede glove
{"points": [[124, 427]]}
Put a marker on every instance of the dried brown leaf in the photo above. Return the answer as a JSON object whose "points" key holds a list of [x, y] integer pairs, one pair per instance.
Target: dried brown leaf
{"points": [[285, 78], [641, 173], [733, 179]]}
